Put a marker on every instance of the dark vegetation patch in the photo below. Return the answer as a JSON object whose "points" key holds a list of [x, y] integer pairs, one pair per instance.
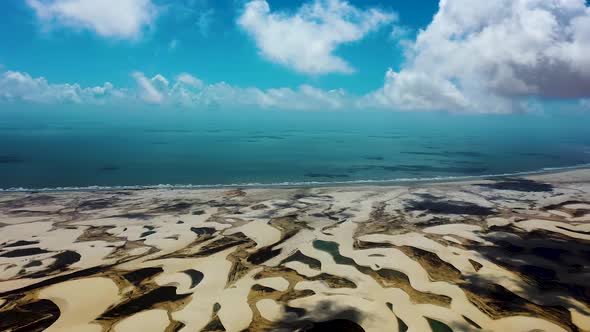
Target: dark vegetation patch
{"points": [[203, 230], [144, 302], [300, 257], [33, 316], [196, 276], [33, 263], [498, 302], [24, 252], [146, 234], [438, 326], [21, 243], [329, 316], [449, 207], [96, 204], [138, 216], [341, 325], [224, 243], [180, 207], [525, 185], [138, 276], [59, 279], [263, 255], [62, 261]]}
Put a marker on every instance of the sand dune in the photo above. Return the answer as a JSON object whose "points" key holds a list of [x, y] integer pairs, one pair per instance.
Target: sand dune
{"points": [[489, 255]]}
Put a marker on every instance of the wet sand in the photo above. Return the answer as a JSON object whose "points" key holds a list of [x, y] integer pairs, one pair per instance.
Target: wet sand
{"points": [[485, 255]]}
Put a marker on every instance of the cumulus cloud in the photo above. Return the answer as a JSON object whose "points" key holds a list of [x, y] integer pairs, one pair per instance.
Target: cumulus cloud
{"points": [[306, 39], [124, 19], [21, 87], [190, 91], [494, 56]]}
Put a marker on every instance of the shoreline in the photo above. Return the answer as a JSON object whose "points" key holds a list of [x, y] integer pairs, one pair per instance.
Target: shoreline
{"points": [[308, 184]]}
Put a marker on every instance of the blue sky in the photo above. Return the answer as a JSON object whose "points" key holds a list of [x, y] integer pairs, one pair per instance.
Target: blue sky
{"points": [[500, 57], [199, 37]]}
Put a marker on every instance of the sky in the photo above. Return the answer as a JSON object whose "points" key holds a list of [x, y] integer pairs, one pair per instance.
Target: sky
{"points": [[502, 56]]}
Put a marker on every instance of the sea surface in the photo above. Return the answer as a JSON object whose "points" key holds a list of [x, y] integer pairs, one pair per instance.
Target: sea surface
{"points": [[74, 147]]}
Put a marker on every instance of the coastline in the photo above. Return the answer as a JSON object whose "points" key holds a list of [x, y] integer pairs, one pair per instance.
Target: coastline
{"points": [[499, 254], [307, 184]]}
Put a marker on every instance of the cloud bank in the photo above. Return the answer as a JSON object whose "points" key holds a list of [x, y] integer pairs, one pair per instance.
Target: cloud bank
{"points": [[21, 87], [122, 19], [305, 40], [183, 90], [493, 56]]}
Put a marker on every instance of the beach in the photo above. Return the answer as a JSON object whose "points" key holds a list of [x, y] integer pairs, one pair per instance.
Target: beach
{"points": [[501, 254]]}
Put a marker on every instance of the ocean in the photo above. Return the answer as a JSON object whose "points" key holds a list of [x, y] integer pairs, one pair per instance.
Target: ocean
{"points": [[49, 147]]}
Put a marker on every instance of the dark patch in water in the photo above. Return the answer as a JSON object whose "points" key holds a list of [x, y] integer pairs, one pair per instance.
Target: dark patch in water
{"points": [[525, 185], [387, 136], [375, 158], [11, 159], [21, 243], [196, 277], [24, 252], [333, 249], [325, 175], [144, 302], [267, 137], [450, 207], [34, 316], [420, 169], [138, 276], [109, 168], [168, 131]]}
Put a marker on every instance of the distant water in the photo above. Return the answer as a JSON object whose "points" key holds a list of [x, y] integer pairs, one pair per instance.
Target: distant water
{"points": [[45, 147]]}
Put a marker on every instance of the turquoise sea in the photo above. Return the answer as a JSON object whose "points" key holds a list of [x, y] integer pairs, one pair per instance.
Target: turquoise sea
{"points": [[50, 147]]}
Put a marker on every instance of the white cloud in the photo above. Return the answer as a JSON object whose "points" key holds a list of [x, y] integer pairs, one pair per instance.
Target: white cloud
{"points": [[124, 19], [18, 87], [494, 56], [147, 88], [190, 91], [306, 39]]}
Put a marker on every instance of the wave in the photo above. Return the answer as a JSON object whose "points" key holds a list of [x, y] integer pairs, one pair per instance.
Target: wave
{"points": [[299, 183]]}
